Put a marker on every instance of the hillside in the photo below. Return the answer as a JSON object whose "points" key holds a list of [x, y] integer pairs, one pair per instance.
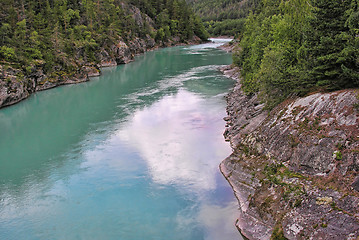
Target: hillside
{"points": [[224, 17], [220, 10], [47, 43], [290, 48]]}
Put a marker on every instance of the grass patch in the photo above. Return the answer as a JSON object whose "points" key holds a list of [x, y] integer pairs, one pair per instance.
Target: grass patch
{"points": [[290, 192], [278, 233]]}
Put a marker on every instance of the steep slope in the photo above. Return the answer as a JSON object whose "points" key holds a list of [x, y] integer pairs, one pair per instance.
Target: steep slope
{"points": [[220, 10], [46, 43], [295, 161], [223, 17], [290, 48], [294, 169]]}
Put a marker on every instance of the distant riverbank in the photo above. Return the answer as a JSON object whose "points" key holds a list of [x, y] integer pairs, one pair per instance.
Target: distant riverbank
{"points": [[15, 87]]}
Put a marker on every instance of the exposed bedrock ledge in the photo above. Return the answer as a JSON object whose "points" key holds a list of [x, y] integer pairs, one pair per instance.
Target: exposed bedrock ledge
{"points": [[294, 169], [14, 86]]}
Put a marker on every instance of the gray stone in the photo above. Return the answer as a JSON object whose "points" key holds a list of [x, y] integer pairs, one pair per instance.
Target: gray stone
{"points": [[301, 134]]}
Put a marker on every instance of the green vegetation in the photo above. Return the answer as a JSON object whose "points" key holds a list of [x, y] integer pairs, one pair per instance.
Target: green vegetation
{"points": [[324, 225], [228, 27], [278, 174], [338, 155], [289, 48], [63, 35], [278, 233], [223, 17], [223, 9]]}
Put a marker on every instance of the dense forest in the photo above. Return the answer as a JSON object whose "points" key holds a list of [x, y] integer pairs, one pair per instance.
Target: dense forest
{"points": [[289, 48], [60, 36], [223, 17]]}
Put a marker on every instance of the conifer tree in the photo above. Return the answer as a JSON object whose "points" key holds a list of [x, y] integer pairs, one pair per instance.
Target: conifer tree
{"points": [[333, 63], [62, 35]]}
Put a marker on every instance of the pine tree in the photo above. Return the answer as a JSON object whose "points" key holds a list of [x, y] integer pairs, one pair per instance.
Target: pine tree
{"points": [[333, 64]]}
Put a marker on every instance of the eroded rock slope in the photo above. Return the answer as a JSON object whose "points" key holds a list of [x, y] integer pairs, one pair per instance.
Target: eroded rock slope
{"points": [[294, 170]]}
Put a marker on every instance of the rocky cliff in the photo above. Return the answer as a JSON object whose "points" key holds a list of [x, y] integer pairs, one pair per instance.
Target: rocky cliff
{"points": [[19, 82], [294, 169], [16, 86]]}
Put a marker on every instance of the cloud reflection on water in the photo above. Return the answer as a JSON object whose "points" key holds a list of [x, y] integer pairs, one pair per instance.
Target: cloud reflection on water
{"points": [[175, 137], [216, 219], [98, 189], [180, 138]]}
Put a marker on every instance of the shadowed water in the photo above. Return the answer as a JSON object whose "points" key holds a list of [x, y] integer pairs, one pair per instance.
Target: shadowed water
{"points": [[132, 154]]}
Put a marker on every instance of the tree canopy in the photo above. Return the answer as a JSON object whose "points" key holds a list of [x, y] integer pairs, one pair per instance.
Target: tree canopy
{"points": [[62, 35], [223, 17], [292, 47]]}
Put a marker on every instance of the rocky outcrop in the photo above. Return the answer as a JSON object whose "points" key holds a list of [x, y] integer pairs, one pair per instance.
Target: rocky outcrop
{"points": [[18, 84], [122, 53], [11, 90], [15, 86], [294, 169], [231, 46]]}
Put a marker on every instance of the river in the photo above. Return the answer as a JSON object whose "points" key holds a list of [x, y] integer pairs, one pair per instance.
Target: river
{"points": [[130, 155]]}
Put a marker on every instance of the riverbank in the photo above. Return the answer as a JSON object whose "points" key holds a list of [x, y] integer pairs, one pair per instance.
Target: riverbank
{"points": [[139, 144], [230, 46], [294, 169], [15, 86]]}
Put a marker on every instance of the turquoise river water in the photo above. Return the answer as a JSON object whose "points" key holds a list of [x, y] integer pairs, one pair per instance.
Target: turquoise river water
{"points": [[130, 155]]}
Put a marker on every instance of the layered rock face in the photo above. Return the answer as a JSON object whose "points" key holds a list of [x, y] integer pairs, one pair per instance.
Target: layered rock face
{"points": [[294, 169], [14, 86]]}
